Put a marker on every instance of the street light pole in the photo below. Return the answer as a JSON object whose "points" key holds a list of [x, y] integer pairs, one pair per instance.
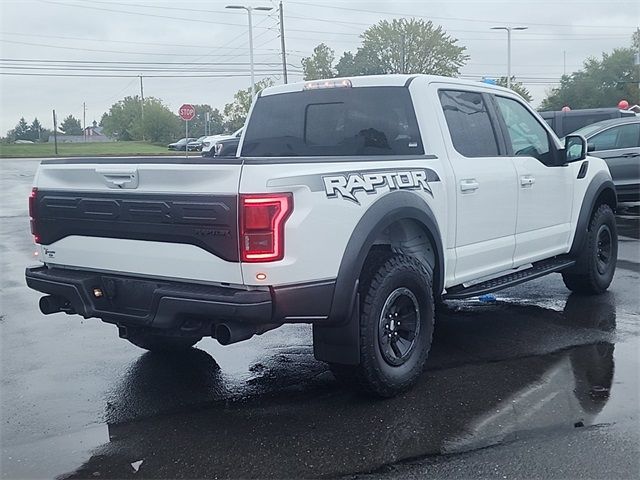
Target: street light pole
{"points": [[253, 82], [509, 30], [249, 10]]}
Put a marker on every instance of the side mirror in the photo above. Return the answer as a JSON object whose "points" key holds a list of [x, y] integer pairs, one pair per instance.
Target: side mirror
{"points": [[575, 148]]}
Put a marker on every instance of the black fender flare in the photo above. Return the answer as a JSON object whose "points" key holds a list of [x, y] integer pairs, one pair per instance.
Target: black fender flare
{"points": [[339, 340], [599, 186]]}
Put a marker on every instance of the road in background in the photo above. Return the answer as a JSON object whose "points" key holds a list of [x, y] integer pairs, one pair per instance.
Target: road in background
{"points": [[538, 372]]}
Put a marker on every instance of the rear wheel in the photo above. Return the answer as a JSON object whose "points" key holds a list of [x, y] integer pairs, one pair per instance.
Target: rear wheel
{"points": [[598, 260], [150, 340], [396, 326]]}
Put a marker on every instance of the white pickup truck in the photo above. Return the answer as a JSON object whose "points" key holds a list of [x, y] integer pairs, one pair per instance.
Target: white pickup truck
{"points": [[355, 205]]}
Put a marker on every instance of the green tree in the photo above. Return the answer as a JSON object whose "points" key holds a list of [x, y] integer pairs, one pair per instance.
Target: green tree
{"points": [[197, 125], [364, 62], [235, 113], [160, 124], [319, 64], [600, 83], [35, 130], [123, 121], [71, 126], [404, 46], [20, 132], [516, 86]]}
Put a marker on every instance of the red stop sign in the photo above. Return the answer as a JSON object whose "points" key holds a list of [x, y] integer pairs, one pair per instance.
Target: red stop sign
{"points": [[187, 112]]}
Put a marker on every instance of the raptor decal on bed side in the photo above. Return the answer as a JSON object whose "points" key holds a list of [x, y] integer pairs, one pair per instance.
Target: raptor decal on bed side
{"points": [[346, 185]]}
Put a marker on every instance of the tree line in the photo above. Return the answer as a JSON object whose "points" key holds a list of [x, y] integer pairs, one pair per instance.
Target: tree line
{"points": [[397, 46], [151, 120], [418, 46]]}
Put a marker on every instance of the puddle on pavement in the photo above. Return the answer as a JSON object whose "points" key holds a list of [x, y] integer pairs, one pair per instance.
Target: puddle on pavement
{"points": [[489, 380], [451, 410]]}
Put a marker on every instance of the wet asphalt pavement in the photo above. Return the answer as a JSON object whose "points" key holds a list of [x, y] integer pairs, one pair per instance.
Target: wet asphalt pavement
{"points": [[539, 384]]}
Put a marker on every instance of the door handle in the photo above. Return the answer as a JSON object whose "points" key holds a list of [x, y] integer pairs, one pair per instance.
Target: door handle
{"points": [[469, 185], [527, 181], [631, 154]]}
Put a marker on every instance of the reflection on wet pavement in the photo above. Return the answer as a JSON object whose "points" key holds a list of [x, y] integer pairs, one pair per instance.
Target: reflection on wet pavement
{"points": [[485, 384]]}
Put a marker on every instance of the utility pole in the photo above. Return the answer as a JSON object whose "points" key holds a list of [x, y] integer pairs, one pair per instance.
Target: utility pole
{"points": [[55, 132], [142, 107], [84, 120], [282, 47]]}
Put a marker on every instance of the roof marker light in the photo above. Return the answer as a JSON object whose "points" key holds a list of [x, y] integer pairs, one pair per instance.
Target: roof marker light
{"points": [[339, 83]]}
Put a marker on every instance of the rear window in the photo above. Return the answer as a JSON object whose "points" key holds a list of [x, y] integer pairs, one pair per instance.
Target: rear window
{"points": [[334, 122], [469, 123]]}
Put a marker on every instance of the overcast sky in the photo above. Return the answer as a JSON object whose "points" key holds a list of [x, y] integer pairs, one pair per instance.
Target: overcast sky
{"points": [[204, 31]]}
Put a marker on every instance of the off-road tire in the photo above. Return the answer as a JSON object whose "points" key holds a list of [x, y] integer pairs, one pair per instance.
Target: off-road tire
{"points": [[411, 282], [597, 262], [149, 340]]}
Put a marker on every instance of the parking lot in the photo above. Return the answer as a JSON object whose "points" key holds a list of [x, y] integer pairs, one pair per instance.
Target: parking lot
{"points": [[538, 363]]}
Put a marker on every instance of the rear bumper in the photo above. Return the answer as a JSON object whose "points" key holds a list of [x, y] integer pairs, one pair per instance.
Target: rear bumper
{"points": [[182, 306], [628, 193]]}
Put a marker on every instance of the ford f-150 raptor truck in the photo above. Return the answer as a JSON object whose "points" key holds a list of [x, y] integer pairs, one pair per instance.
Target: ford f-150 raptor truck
{"points": [[355, 204]]}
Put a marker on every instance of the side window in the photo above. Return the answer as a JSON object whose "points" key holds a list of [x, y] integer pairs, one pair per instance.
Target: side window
{"points": [[624, 136], [605, 140], [527, 136], [469, 123]]}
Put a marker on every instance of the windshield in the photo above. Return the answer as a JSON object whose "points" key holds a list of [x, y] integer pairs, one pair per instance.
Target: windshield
{"points": [[334, 122]]}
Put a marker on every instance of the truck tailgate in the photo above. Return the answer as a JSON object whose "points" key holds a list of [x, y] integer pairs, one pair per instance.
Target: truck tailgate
{"points": [[170, 217]]}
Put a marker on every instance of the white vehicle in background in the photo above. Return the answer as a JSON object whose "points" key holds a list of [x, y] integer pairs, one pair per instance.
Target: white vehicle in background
{"points": [[209, 142]]}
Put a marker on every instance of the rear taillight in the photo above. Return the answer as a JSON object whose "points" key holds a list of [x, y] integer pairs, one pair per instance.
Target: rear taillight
{"points": [[262, 219], [33, 197]]}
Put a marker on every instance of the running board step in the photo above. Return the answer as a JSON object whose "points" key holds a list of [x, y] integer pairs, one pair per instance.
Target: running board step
{"points": [[539, 269]]}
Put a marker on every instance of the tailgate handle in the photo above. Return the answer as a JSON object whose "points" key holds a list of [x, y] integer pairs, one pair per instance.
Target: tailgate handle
{"points": [[119, 178]]}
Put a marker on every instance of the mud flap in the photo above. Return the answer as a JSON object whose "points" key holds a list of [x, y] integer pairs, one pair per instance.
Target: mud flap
{"points": [[340, 343]]}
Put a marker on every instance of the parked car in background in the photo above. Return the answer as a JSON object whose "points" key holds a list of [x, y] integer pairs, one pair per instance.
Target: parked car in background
{"points": [[617, 142], [209, 142], [227, 148], [180, 144], [196, 145], [567, 122]]}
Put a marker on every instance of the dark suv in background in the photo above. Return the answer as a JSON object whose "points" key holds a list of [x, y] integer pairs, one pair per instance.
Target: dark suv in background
{"points": [[567, 122], [617, 142]]}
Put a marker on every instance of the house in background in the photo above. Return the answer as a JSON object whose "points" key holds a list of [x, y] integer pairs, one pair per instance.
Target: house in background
{"points": [[92, 133], [95, 132]]}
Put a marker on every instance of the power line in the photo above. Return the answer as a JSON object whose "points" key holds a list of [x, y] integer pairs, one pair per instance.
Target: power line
{"points": [[200, 55], [237, 37], [225, 75], [87, 7], [461, 19], [333, 21], [109, 62], [131, 42]]}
